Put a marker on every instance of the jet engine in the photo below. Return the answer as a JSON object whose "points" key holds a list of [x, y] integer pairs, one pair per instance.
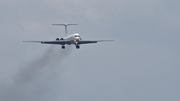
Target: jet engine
{"points": [[57, 39]]}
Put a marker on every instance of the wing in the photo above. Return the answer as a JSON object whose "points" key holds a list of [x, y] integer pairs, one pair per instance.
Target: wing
{"points": [[63, 42], [60, 42], [95, 41]]}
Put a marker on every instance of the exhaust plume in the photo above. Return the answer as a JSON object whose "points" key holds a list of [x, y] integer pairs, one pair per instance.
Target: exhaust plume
{"points": [[38, 80]]}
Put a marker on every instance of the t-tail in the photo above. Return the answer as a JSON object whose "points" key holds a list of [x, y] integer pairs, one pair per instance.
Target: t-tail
{"points": [[66, 31]]}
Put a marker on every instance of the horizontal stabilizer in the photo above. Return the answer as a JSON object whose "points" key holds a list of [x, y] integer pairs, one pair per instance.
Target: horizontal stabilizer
{"points": [[66, 24]]}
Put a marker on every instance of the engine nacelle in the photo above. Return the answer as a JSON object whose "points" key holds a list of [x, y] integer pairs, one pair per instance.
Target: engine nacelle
{"points": [[61, 39], [57, 39]]}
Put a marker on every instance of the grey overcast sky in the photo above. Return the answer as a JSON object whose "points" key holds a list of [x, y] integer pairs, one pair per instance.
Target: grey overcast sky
{"points": [[142, 64]]}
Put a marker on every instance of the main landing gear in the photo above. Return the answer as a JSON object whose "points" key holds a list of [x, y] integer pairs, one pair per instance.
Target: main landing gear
{"points": [[63, 47], [77, 46]]}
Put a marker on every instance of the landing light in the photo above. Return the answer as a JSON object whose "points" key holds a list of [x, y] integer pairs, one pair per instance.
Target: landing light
{"points": [[76, 42]]}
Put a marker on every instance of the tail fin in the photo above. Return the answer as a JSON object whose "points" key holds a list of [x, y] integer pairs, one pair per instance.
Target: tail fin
{"points": [[66, 32]]}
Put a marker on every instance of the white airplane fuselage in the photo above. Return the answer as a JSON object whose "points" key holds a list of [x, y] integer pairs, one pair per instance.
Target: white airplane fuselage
{"points": [[73, 38]]}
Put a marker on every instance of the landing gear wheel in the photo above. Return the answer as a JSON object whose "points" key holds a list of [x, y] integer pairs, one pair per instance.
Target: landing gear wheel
{"points": [[57, 39], [63, 47], [77, 47]]}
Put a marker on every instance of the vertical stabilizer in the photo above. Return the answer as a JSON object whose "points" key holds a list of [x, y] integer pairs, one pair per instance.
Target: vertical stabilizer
{"points": [[66, 31]]}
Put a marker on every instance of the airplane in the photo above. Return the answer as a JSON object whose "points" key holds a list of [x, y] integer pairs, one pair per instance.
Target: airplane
{"points": [[69, 39]]}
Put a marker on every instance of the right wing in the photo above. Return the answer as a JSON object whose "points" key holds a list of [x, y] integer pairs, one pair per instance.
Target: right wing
{"points": [[89, 41]]}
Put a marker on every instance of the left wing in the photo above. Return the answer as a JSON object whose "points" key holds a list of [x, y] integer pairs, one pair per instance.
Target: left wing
{"points": [[61, 42]]}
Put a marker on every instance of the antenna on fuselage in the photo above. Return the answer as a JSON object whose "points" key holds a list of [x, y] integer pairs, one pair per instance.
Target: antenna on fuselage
{"points": [[66, 31]]}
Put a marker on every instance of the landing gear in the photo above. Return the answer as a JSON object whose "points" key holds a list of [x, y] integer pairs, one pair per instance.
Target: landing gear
{"points": [[77, 47], [63, 47]]}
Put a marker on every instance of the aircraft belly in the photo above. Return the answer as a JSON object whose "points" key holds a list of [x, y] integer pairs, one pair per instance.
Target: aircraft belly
{"points": [[70, 42]]}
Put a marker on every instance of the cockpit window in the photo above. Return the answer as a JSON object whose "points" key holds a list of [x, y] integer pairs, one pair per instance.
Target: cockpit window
{"points": [[76, 36]]}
